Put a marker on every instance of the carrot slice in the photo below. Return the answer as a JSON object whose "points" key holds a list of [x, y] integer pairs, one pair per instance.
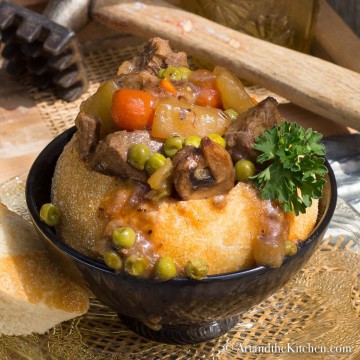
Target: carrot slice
{"points": [[209, 96], [132, 109], [208, 93], [168, 86]]}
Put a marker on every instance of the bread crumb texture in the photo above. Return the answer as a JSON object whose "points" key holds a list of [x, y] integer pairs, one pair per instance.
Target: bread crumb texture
{"points": [[222, 234], [77, 191], [302, 225], [35, 294], [35, 278]]}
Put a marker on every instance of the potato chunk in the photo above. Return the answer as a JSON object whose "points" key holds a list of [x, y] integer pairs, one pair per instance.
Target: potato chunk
{"points": [[175, 117]]}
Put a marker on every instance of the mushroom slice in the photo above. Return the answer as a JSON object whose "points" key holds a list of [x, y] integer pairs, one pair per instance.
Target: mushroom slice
{"points": [[204, 172]]}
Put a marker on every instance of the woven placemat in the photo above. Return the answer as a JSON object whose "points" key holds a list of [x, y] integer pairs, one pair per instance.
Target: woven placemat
{"points": [[315, 316], [58, 114], [316, 312]]}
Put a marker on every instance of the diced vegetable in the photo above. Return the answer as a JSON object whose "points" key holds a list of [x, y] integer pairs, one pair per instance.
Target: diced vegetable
{"points": [[290, 248], [175, 117], [168, 86], [217, 139], [233, 115], [135, 265], [99, 105], [138, 155], [172, 145], [233, 94], [209, 97], [244, 169], [196, 269], [132, 109], [175, 73], [50, 214], [154, 162], [202, 77], [269, 251], [208, 93], [159, 180], [192, 141], [123, 237], [165, 269], [113, 260]]}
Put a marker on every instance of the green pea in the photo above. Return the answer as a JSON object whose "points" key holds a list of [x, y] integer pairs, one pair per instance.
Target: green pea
{"points": [[196, 269], [192, 141], [217, 139], [165, 269], [244, 169], [138, 154], [50, 214], [154, 162], [290, 248], [124, 237], [135, 265], [160, 73], [232, 114], [172, 145], [113, 260], [175, 73]]}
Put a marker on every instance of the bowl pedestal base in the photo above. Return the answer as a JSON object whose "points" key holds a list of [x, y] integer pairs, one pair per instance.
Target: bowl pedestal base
{"points": [[181, 334]]}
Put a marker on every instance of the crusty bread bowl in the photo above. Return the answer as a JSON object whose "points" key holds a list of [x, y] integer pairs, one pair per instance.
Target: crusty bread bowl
{"points": [[222, 234], [212, 175]]}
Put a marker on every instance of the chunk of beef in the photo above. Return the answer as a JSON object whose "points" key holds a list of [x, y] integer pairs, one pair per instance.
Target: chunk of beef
{"points": [[156, 54], [241, 134], [89, 131], [110, 156], [203, 172], [138, 80], [178, 59]]}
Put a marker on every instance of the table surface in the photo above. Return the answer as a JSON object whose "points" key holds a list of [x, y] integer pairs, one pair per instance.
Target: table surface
{"points": [[23, 134]]}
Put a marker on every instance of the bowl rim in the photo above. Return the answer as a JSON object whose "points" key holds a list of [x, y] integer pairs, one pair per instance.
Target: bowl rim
{"points": [[49, 233]]}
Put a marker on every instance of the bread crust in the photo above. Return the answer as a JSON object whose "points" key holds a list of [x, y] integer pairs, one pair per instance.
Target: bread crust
{"points": [[77, 191], [223, 235], [35, 293]]}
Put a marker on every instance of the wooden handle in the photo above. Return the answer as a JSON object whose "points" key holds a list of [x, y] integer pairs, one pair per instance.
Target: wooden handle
{"points": [[334, 40], [315, 84]]}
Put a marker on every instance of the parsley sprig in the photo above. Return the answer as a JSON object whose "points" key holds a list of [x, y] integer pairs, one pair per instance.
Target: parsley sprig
{"points": [[295, 174]]}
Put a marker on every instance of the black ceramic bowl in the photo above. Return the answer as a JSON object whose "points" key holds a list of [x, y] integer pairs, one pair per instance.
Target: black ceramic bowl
{"points": [[188, 311]]}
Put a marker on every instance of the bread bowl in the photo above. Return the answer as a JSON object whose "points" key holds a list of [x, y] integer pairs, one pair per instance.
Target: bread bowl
{"points": [[182, 310], [88, 195], [213, 218]]}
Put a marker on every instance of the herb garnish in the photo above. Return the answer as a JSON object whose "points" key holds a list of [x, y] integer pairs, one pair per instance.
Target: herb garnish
{"points": [[296, 172]]}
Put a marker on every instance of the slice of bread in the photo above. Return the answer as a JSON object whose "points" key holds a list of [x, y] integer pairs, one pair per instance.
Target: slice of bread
{"points": [[35, 294]]}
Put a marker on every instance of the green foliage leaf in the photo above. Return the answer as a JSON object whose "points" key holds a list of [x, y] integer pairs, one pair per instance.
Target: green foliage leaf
{"points": [[295, 174]]}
